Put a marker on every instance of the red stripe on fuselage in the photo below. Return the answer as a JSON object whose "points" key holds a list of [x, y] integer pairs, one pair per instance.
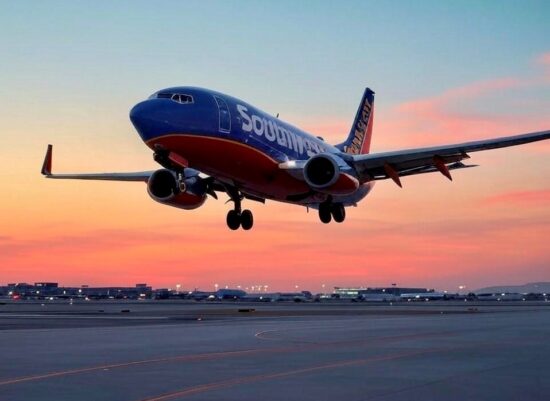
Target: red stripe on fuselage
{"points": [[250, 168]]}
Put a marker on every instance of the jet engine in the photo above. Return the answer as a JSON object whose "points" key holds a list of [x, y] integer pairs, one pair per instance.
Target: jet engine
{"points": [[178, 190], [330, 174]]}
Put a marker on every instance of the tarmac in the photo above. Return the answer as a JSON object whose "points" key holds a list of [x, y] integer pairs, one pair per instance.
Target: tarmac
{"points": [[156, 350]]}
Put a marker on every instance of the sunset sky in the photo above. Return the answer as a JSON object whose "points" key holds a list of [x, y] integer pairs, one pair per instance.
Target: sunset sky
{"points": [[443, 72]]}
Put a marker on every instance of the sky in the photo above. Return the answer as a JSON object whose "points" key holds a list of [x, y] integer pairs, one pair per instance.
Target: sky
{"points": [[443, 72]]}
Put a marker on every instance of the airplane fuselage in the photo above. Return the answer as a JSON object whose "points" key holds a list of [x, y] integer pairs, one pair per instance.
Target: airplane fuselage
{"points": [[234, 141]]}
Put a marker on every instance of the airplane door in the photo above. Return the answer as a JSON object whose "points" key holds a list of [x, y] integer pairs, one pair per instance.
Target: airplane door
{"points": [[225, 116]]}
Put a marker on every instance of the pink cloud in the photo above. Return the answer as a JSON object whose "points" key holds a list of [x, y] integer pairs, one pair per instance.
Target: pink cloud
{"points": [[460, 114], [433, 105], [520, 197], [544, 59], [482, 109]]}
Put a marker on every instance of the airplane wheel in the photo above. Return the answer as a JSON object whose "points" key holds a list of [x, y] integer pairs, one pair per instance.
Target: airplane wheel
{"points": [[324, 213], [247, 220], [233, 220], [338, 212]]}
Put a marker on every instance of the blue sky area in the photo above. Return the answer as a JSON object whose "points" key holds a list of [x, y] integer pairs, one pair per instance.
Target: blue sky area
{"points": [[314, 57]]}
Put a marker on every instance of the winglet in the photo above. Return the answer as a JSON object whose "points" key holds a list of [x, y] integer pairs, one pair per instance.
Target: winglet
{"points": [[47, 165]]}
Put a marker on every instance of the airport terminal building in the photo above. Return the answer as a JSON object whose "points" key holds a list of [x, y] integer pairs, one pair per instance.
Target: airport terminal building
{"points": [[379, 294]]}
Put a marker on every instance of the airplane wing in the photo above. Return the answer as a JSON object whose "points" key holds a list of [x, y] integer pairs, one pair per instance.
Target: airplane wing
{"points": [[379, 166], [142, 176]]}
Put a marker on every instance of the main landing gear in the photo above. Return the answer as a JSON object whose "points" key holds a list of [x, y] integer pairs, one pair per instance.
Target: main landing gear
{"points": [[329, 211], [236, 217]]}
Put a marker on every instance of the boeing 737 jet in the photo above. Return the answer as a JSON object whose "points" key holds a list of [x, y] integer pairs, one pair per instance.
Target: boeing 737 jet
{"points": [[208, 142]]}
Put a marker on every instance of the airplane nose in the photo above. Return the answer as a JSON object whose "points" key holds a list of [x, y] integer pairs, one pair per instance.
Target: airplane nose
{"points": [[143, 118], [139, 114]]}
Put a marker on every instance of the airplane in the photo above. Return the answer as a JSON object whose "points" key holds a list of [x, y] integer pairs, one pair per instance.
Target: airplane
{"points": [[208, 142]]}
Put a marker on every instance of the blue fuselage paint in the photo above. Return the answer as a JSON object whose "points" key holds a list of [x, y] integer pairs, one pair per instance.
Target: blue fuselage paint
{"points": [[210, 114]]}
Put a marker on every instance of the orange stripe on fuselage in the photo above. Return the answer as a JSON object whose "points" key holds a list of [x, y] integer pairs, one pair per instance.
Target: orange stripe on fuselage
{"points": [[248, 167]]}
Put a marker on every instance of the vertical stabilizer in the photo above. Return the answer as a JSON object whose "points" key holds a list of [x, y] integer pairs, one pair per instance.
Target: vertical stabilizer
{"points": [[359, 138]]}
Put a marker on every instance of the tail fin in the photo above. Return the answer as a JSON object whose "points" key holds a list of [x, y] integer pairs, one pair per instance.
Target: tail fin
{"points": [[358, 141]]}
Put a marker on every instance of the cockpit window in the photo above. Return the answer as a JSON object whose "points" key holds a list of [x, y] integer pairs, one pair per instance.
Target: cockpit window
{"points": [[183, 99], [176, 97], [164, 95]]}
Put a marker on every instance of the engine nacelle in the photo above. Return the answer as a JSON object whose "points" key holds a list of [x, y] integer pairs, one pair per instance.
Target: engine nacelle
{"points": [[166, 187], [330, 174]]}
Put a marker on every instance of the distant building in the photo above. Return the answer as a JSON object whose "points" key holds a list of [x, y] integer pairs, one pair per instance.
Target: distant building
{"points": [[302, 296], [503, 296], [348, 292], [43, 290], [46, 289], [139, 291], [423, 296], [377, 294], [227, 293]]}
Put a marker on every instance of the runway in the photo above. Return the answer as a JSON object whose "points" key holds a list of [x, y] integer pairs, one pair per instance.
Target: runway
{"points": [[184, 351]]}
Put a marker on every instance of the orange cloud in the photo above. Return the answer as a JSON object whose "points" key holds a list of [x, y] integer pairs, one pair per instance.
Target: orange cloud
{"points": [[541, 197]]}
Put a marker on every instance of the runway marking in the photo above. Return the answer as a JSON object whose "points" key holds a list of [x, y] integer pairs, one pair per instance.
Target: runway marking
{"points": [[213, 355], [265, 335], [61, 316], [256, 378], [206, 356]]}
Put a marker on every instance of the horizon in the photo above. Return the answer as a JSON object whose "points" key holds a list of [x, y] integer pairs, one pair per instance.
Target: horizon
{"points": [[72, 72], [257, 288]]}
